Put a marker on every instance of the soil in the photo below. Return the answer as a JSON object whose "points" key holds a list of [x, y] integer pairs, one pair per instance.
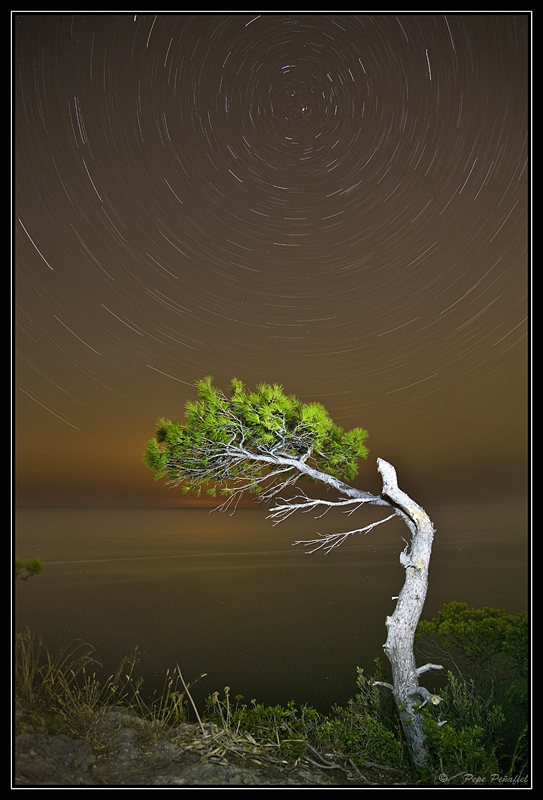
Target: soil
{"points": [[126, 751]]}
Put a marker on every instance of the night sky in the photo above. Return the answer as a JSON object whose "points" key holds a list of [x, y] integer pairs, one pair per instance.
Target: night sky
{"points": [[338, 203]]}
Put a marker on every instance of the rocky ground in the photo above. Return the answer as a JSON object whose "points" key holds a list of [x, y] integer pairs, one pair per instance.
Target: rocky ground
{"points": [[127, 752]]}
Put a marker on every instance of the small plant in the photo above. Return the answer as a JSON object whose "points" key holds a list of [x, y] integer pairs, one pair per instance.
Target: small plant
{"points": [[519, 757], [284, 729], [64, 689], [38, 676], [462, 732], [168, 709], [26, 569], [459, 751], [367, 730]]}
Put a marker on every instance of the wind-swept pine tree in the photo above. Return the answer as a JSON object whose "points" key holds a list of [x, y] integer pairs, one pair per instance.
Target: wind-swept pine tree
{"points": [[264, 441]]}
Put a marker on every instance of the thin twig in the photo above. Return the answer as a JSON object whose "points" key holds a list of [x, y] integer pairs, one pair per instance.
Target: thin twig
{"points": [[186, 688]]}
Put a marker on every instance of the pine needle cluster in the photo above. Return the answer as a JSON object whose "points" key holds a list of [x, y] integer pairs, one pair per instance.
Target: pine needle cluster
{"points": [[249, 435]]}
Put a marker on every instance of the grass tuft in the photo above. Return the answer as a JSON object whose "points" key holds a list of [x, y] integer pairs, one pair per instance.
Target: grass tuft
{"points": [[65, 695]]}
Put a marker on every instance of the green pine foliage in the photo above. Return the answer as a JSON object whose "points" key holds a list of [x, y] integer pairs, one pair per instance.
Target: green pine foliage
{"points": [[240, 436]]}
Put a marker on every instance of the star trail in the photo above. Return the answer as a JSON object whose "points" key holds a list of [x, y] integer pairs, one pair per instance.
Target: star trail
{"points": [[335, 202]]}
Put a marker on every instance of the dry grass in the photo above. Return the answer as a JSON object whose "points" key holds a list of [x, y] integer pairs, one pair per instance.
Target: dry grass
{"points": [[65, 695]]}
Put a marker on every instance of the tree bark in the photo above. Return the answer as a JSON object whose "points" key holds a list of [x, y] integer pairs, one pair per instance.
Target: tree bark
{"points": [[402, 625]]}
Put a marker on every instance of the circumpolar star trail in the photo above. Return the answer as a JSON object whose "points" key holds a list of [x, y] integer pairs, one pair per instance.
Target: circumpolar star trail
{"points": [[334, 202]]}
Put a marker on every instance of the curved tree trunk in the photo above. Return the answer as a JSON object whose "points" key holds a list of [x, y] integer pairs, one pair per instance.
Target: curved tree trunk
{"points": [[403, 623]]}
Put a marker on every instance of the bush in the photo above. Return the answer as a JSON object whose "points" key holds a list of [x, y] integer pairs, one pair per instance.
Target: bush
{"points": [[486, 652], [285, 729], [368, 730], [463, 735]]}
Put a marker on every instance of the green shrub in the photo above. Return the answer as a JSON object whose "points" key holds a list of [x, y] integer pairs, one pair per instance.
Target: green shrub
{"points": [[284, 728], [487, 654], [463, 734], [368, 729]]}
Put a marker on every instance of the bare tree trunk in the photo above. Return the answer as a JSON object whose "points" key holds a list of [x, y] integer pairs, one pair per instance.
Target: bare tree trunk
{"points": [[403, 623]]}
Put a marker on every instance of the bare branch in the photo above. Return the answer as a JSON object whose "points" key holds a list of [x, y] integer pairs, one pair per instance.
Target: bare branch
{"points": [[427, 668], [329, 541], [245, 484], [383, 683], [300, 465], [284, 511], [427, 697]]}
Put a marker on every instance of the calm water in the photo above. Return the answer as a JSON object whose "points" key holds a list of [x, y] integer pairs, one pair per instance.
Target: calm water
{"points": [[230, 596]]}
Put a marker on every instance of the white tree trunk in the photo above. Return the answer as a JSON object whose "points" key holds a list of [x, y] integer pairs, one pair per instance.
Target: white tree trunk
{"points": [[403, 623]]}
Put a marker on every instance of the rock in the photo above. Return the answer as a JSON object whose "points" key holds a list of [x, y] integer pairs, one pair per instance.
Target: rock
{"points": [[128, 752]]}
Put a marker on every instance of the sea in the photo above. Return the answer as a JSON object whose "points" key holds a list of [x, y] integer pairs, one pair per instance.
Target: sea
{"points": [[232, 601]]}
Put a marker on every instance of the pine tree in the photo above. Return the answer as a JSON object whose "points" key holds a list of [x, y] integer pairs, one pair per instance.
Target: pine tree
{"points": [[264, 441]]}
